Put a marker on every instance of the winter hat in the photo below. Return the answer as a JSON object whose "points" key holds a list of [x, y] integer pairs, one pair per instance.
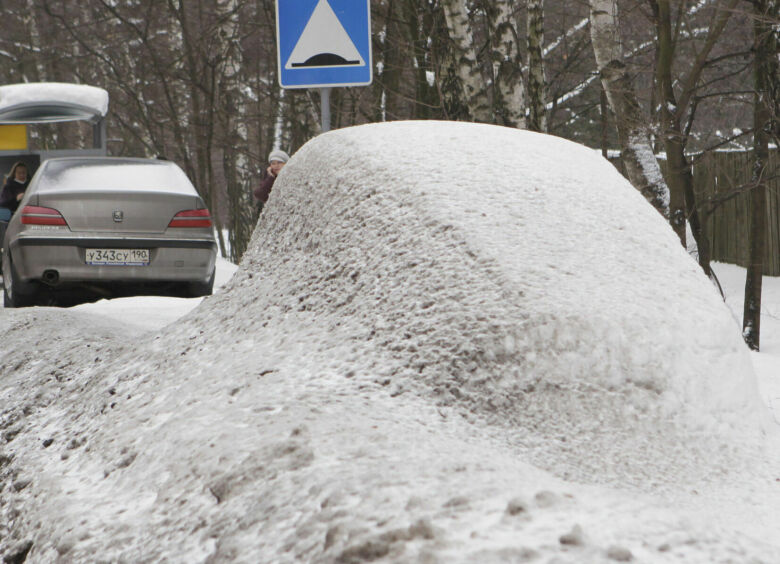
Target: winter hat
{"points": [[278, 155]]}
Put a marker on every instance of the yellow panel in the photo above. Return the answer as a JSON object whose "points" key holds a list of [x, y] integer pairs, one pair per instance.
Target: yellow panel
{"points": [[13, 137]]}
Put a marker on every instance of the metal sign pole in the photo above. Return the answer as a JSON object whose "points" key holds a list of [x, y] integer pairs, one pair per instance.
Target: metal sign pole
{"points": [[323, 44], [325, 108]]}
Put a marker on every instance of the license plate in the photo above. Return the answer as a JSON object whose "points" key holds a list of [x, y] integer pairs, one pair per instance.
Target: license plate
{"points": [[118, 257]]}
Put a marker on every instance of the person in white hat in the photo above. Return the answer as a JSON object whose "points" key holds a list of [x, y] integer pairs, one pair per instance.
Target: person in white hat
{"points": [[276, 160]]}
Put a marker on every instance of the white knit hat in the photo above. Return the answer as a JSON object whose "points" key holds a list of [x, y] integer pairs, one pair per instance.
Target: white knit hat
{"points": [[278, 155]]}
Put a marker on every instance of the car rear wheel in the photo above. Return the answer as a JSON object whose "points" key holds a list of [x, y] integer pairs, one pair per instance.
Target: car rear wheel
{"points": [[198, 289], [15, 292]]}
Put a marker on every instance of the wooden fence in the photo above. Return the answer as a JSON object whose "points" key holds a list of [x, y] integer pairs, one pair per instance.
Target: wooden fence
{"points": [[721, 184]]}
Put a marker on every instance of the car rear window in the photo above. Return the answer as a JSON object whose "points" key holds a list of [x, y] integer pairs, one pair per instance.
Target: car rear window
{"points": [[112, 175]]}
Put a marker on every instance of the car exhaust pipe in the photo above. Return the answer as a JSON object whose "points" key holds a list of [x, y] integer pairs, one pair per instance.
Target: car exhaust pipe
{"points": [[51, 277]]}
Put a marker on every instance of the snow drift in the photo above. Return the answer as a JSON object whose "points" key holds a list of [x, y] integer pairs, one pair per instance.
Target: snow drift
{"points": [[514, 274], [407, 283]]}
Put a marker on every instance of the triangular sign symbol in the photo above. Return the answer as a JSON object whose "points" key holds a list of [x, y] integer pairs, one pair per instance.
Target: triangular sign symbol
{"points": [[324, 43]]}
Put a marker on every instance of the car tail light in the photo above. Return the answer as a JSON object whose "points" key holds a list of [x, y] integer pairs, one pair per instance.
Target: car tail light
{"points": [[191, 218], [37, 215]]}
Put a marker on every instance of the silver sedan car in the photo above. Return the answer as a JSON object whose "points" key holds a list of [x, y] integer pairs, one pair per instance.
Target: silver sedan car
{"points": [[91, 227]]}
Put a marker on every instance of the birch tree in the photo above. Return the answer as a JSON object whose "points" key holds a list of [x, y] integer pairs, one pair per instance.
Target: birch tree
{"points": [[509, 92], [464, 54], [633, 130], [492, 85]]}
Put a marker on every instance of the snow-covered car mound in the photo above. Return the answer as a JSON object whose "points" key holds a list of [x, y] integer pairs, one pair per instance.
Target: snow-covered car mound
{"points": [[439, 331], [516, 275]]}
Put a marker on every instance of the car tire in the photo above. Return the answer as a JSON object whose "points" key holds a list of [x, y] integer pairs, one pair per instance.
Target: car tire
{"points": [[199, 289], [15, 292]]}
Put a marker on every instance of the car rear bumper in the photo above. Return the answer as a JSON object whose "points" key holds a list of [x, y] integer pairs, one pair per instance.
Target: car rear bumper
{"points": [[170, 259]]}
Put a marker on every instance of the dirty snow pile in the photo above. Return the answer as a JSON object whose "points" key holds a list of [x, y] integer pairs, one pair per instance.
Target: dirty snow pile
{"points": [[447, 342]]}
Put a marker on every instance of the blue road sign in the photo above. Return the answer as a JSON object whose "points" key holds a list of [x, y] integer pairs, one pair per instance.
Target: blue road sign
{"points": [[322, 43]]}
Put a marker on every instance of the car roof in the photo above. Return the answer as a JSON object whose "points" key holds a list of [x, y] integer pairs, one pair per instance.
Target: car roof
{"points": [[87, 174]]}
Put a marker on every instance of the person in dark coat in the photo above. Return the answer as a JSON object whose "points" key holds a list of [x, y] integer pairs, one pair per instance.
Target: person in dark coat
{"points": [[276, 160], [15, 184]]}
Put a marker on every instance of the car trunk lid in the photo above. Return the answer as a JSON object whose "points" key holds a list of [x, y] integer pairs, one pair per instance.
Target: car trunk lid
{"points": [[118, 211]]}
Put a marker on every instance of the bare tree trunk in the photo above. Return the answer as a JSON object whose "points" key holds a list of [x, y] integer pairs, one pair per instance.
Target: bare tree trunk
{"points": [[765, 46], [604, 116], [509, 98], [419, 20], [201, 85], [679, 174], [233, 119], [537, 116], [278, 136], [673, 142], [35, 42], [633, 130], [378, 48], [450, 86], [465, 57]]}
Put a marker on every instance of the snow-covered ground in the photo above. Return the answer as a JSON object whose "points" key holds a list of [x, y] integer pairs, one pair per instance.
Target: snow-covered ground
{"points": [[767, 362], [446, 343], [153, 312]]}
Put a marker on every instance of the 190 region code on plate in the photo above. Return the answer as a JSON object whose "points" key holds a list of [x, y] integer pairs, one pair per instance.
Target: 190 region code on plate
{"points": [[118, 257]]}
